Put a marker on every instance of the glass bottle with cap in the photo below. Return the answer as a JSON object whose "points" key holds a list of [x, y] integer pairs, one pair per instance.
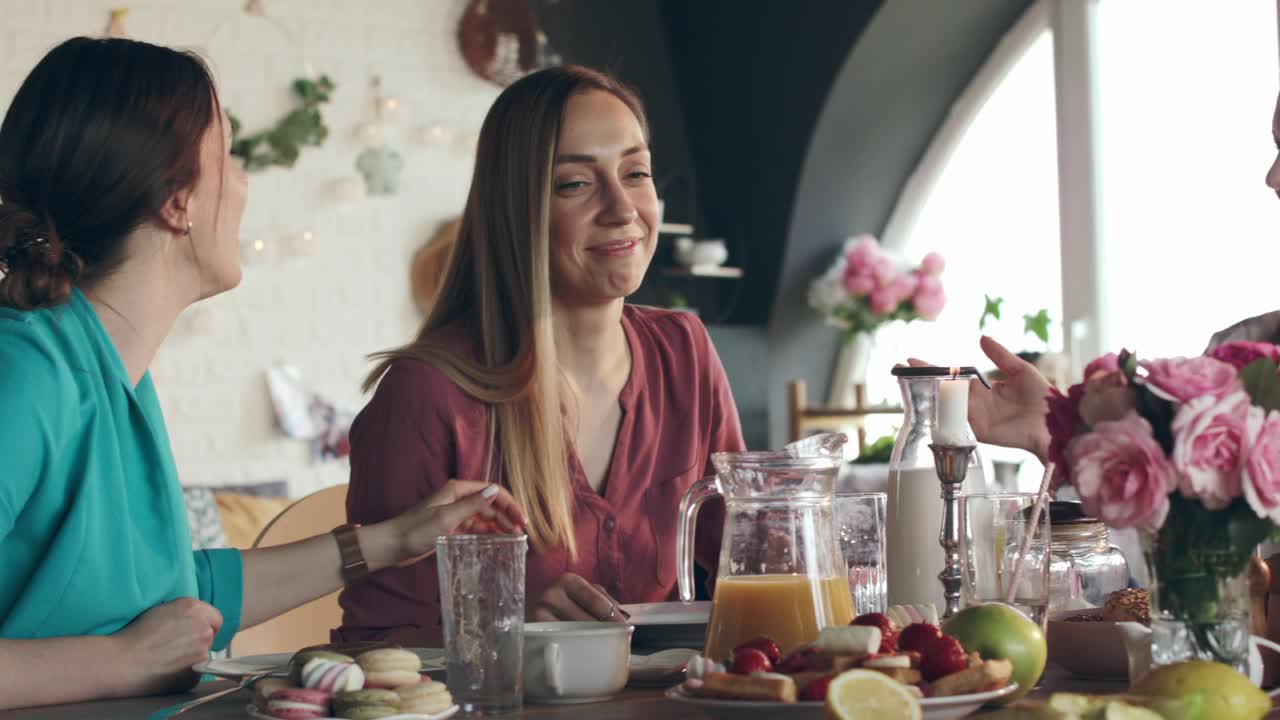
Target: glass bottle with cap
{"points": [[1085, 567]]}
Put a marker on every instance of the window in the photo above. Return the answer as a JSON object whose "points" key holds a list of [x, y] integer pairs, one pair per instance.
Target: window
{"points": [[1189, 232], [992, 211]]}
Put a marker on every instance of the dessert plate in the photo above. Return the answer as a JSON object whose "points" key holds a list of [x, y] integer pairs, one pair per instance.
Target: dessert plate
{"points": [[943, 708], [277, 664]]}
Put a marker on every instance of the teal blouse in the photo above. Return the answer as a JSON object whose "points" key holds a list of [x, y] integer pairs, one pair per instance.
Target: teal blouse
{"points": [[93, 530]]}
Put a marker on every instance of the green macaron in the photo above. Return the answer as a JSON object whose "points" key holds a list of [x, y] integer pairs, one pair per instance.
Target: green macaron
{"points": [[366, 704]]}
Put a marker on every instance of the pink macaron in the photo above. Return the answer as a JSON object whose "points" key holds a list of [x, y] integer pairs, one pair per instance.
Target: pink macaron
{"points": [[298, 704]]}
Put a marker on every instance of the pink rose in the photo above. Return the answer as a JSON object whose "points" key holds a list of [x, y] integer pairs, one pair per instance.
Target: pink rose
{"points": [[884, 300], [1240, 354], [1108, 363], [1121, 473], [1210, 436], [929, 304], [1181, 379], [1261, 474], [860, 251], [933, 264], [1107, 396], [905, 285], [858, 284]]}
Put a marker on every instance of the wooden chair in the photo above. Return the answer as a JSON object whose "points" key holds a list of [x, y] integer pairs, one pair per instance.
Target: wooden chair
{"points": [[803, 419], [307, 624]]}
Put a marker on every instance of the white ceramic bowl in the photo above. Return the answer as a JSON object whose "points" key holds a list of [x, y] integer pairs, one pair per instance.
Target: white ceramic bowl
{"points": [[575, 662]]}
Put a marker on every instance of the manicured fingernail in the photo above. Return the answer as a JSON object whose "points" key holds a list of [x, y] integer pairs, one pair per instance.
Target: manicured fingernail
{"points": [[489, 491]]}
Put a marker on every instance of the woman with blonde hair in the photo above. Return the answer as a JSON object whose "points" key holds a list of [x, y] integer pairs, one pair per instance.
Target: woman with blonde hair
{"points": [[530, 371]]}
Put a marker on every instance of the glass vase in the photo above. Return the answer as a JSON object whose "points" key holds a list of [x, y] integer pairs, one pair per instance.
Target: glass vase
{"points": [[1199, 606]]}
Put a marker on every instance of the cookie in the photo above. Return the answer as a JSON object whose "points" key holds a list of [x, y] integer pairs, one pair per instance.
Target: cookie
{"points": [[331, 676], [300, 658], [389, 668], [264, 688], [1128, 605], [427, 697], [298, 704], [361, 704]]}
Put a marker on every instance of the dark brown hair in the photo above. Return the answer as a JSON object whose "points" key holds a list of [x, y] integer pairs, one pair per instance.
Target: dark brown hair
{"points": [[99, 136]]}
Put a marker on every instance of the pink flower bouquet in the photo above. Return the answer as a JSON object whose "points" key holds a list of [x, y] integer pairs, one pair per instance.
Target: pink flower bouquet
{"points": [[1188, 451], [866, 288]]}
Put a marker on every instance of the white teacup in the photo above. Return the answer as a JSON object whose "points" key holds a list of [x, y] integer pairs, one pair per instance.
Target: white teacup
{"points": [[575, 662]]}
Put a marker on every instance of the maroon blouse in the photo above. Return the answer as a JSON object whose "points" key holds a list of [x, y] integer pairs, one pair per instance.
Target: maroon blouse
{"points": [[419, 430]]}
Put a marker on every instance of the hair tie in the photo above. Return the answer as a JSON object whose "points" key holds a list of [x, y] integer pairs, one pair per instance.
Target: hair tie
{"points": [[14, 253]]}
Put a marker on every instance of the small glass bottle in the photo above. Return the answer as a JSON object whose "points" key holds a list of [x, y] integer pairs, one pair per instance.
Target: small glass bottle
{"points": [[1085, 567]]}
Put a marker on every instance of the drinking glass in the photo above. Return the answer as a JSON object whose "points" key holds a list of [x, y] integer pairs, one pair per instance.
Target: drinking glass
{"points": [[482, 603], [992, 533], [860, 520]]}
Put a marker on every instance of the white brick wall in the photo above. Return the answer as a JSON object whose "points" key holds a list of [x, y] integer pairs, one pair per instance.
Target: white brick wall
{"points": [[324, 311]]}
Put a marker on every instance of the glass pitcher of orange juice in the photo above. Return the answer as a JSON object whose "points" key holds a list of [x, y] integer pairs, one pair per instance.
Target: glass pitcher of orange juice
{"points": [[780, 573]]}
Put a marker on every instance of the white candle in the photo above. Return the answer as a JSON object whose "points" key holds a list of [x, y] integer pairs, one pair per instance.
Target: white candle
{"points": [[953, 412]]}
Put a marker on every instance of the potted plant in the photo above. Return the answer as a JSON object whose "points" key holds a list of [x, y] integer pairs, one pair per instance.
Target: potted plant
{"points": [[1036, 325]]}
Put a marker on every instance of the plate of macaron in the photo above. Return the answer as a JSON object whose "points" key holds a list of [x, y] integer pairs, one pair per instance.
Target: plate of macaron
{"points": [[365, 684]]}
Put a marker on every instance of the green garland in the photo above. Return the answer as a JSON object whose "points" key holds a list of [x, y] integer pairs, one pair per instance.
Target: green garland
{"points": [[280, 145]]}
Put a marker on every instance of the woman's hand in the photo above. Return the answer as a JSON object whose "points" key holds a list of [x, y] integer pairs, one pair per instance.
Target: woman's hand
{"points": [[571, 597], [1012, 412], [460, 506], [164, 642]]}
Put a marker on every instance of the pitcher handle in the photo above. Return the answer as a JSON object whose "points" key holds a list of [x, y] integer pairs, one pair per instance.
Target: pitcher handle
{"points": [[689, 505]]}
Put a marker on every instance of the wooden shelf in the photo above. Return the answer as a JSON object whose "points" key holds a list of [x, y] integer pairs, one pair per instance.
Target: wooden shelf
{"points": [[710, 271], [675, 229]]}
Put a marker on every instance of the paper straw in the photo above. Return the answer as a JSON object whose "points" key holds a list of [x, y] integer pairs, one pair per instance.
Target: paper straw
{"points": [[1026, 537]]}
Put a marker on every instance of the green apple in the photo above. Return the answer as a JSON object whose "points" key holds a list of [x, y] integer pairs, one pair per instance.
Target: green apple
{"points": [[998, 632]]}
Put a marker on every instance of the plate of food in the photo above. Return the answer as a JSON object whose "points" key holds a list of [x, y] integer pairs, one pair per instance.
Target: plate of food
{"points": [[666, 625], [1087, 643], [915, 672], [277, 664], [320, 682]]}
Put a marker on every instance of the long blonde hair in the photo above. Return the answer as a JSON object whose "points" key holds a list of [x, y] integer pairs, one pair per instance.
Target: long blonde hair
{"points": [[498, 278]]}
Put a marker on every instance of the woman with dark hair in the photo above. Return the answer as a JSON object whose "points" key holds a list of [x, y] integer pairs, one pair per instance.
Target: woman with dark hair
{"points": [[119, 207], [531, 371]]}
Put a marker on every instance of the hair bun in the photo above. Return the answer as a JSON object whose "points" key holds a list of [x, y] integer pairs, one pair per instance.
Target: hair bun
{"points": [[39, 270]]}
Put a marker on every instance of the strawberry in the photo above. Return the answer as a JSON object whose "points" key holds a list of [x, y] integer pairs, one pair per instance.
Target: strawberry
{"points": [[918, 636], [804, 660], [764, 645], [817, 688], [888, 631], [749, 660], [945, 655]]}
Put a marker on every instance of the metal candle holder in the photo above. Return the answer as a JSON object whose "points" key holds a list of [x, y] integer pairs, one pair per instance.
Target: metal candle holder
{"points": [[952, 464]]}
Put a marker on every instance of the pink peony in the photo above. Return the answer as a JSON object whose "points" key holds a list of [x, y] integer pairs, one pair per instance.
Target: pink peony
{"points": [[861, 251], [1108, 363], [1121, 473], [858, 284], [1210, 437], [1107, 396], [883, 271], [933, 264], [1182, 379], [929, 304], [1261, 473], [904, 286], [1240, 354], [884, 300]]}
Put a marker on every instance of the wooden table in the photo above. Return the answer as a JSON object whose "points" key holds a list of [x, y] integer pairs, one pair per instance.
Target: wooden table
{"points": [[630, 705]]}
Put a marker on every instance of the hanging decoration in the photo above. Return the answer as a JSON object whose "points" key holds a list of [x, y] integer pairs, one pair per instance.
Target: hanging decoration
{"points": [[281, 144], [501, 42], [379, 164], [115, 23]]}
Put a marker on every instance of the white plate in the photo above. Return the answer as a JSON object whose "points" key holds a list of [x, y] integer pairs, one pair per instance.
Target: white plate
{"points": [[661, 669], [277, 664], [944, 708], [669, 613], [254, 712]]}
